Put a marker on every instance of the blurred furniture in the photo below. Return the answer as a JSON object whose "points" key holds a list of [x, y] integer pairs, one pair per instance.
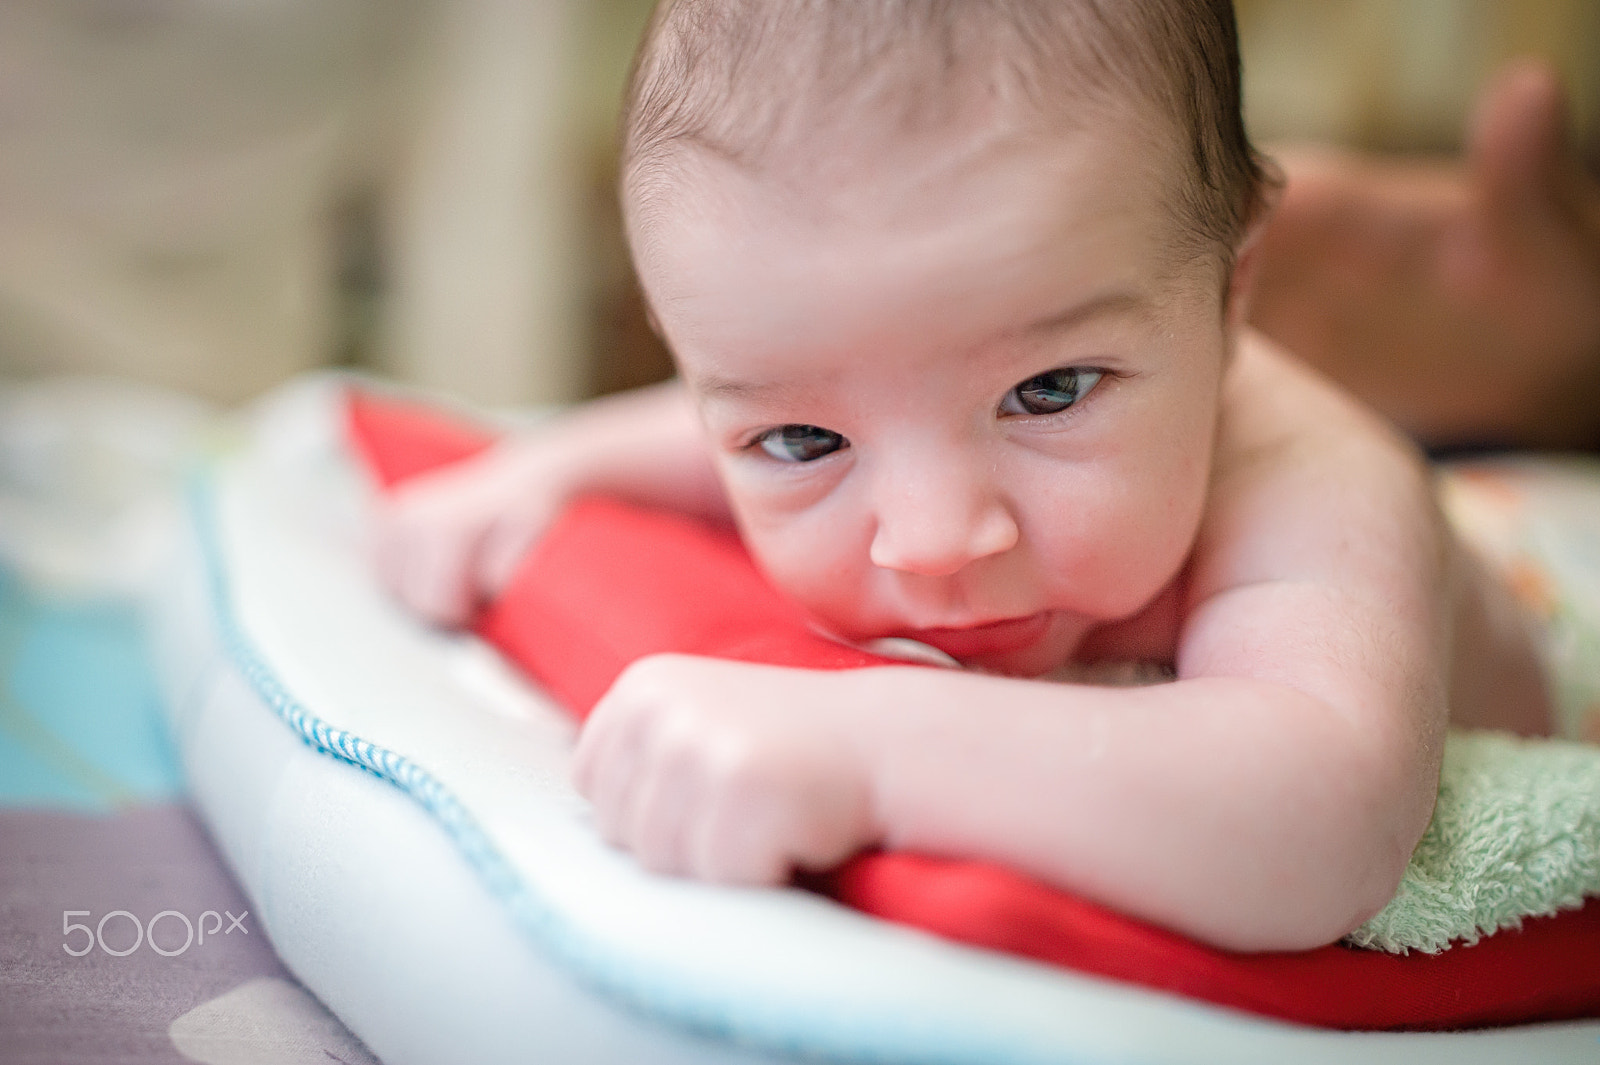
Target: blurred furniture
{"points": [[202, 194]]}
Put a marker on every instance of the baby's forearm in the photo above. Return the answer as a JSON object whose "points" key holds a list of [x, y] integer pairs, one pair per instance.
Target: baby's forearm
{"points": [[1242, 812], [646, 445]]}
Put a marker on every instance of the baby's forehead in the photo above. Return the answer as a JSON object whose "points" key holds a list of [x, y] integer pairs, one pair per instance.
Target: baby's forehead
{"points": [[861, 174], [734, 273]]}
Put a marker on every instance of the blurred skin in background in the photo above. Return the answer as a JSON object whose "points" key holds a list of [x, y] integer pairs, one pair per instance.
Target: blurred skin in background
{"points": [[1462, 300]]}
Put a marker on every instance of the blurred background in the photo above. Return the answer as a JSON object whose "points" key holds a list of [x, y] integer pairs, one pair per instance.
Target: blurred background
{"points": [[213, 195]]}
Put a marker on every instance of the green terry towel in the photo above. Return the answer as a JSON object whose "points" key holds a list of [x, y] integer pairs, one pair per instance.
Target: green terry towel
{"points": [[1515, 833]]}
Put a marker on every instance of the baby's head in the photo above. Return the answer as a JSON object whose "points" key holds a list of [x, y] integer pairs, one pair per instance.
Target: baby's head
{"points": [[953, 283]]}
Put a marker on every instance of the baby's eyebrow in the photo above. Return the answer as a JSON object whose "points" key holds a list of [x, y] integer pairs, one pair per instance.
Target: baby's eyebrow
{"points": [[727, 387], [714, 386], [1117, 301]]}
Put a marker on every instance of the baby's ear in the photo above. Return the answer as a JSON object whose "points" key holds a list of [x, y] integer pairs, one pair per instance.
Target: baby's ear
{"points": [[651, 319], [1246, 263]]}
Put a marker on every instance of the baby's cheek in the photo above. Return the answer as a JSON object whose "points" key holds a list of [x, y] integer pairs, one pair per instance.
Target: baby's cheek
{"points": [[1149, 562], [830, 588], [763, 497], [832, 583], [1113, 564]]}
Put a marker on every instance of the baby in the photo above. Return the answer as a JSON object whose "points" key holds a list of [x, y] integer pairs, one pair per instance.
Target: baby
{"points": [[956, 292]]}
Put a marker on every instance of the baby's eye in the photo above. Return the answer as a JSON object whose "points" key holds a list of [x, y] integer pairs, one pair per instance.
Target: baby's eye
{"points": [[800, 443], [1050, 392]]}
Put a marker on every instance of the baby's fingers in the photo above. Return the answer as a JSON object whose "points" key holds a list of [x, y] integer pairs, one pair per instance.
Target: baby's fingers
{"points": [[425, 562], [606, 766], [772, 816], [505, 545], [739, 843], [654, 818]]}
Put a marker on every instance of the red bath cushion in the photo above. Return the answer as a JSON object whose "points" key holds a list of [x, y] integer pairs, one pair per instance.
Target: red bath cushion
{"points": [[573, 622]]}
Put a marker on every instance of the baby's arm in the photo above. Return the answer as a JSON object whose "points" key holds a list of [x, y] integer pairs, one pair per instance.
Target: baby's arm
{"points": [[448, 541], [1268, 799]]}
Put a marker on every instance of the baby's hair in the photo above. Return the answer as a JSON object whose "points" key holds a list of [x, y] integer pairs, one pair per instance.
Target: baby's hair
{"points": [[742, 78]]}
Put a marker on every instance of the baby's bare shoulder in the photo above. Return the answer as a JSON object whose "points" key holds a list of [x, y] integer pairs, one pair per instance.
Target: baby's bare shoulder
{"points": [[1309, 485], [1323, 562]]}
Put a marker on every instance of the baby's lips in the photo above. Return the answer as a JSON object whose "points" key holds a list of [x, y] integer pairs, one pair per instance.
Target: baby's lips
{"points": [[990, 638]]}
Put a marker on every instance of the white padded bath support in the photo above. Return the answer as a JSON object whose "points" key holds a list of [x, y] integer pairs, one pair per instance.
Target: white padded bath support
{"points": [[397, 805]]}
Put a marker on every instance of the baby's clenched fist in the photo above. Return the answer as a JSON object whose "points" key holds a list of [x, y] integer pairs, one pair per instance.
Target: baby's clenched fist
{"points": [[725, 771]]}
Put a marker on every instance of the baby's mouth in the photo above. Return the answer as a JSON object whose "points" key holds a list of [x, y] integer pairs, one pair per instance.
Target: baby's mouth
{"points": [[990, 638]]}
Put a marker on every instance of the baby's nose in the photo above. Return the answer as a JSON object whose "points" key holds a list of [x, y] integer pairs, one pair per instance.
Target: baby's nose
{"points": [[935, 524]]}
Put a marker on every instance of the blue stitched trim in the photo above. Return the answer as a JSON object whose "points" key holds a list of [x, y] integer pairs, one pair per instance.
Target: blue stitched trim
{"points": [[765, 1026], [346, 746]]}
